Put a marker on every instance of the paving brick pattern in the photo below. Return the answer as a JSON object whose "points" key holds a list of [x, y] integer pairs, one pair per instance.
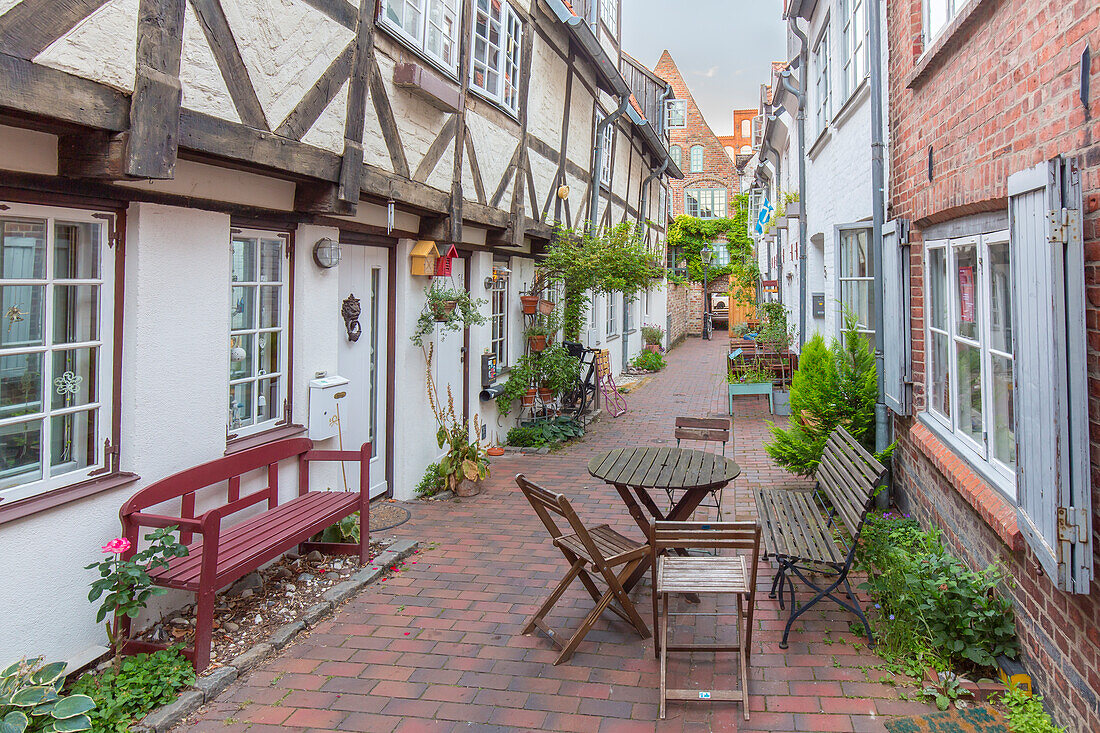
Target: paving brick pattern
{"points": [[437, 646]]}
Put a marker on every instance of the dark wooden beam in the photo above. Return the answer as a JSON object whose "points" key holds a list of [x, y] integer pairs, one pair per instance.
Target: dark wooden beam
{"points": [[155, 104], [435, 228], [475, 168], [314, 102], [29, 88], [32, 25], [462, 133], [351, 164], [436, 150], [93, 154], [387, 121], [506, 178], [318, 197], [216, 29], [338, 10]]}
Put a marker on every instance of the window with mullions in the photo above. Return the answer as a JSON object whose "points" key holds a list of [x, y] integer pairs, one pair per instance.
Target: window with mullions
{"points": [[56, 291], [969, 347], [854, 46], [612, 321], [696, 159], [259, 312], [498, 319], [494, 70], [676, 113], [677, 155], [856, 280], [430, 26], [821, 75], [705, 203], [937, 15], [609, 13], [608, 147]]}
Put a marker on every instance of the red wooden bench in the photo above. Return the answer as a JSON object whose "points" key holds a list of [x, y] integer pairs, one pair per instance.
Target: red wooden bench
{"points": [[226, 553]]}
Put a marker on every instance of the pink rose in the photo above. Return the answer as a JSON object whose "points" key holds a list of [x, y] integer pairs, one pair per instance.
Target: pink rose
{"points": [[117, 546]]}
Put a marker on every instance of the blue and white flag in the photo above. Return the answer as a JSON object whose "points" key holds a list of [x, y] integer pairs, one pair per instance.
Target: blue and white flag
{"points": [[766, 211]]}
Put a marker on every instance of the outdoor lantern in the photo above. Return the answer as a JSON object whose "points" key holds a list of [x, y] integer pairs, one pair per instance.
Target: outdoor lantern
{"points": [[707, 253], [326, 253]]}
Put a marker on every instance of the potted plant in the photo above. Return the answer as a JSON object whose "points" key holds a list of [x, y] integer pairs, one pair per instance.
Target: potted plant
{"points": [[539, 375], [529, 303], [537, 334], [447, 308], [465, 464], [653, 336]]}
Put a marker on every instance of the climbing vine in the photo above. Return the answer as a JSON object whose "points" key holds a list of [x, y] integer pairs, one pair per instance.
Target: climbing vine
{"points": [[688, 235]]}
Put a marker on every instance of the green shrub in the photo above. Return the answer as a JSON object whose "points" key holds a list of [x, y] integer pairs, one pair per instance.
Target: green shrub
{"points": [[31, 699], [346, 530], [432, 482], [651, 361], [141, 683], [931, 606], [524, 436], [833, 385], [1026, 714], [537, 433]]}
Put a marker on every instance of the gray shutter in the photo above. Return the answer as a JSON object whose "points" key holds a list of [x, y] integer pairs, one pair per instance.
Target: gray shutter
{"points": [[896, 341], [1050, 388]]}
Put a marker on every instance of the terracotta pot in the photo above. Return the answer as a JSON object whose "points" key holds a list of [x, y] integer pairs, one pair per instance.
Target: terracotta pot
{"points": [[545, 395], [529, 399], [545, 307], [530, 304], [467, 488], [496, 450], [448, 308], [537, 343], [653, 347]]}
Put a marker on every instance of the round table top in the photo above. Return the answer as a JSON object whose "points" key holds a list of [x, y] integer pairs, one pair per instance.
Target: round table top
{"points": [[663, 468]]}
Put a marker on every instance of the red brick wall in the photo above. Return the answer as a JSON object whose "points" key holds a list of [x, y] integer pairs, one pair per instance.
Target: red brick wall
{"points": [[999, 96], [678, 312], [718, 170]]}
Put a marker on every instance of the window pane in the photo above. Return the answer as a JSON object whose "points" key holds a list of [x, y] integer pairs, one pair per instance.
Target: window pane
{"points": [[244, 260], [1000, 294], [74, 377], [75, 250], [240, 405], [73, 442], [270, 301], [970, 392], [271, 261], [966, 292], [938, 15], [241, 357], [937, 288], [23, 317], [269, 353], [696, 158], [23, 248], [855, 254], [1004, 435], [441, 30], [269, 403], [75, 313], [675, 153], [20, 453], [20, 385], [243, 308], [940, 383]]}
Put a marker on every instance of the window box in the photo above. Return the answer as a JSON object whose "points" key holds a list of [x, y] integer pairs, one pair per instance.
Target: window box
{"points": [[434, 90]]}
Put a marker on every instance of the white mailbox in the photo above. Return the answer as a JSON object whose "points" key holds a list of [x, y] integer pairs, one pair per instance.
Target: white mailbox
{"points": [[325, 393]]}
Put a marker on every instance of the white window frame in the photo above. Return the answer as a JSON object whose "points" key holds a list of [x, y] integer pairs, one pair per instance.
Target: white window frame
{"points": [[979, 454], [510, 31], [822, 99], [498, 318], [949, 8], [697, 156], [677, 154], [746, 128], [606, 167], [854, 45], [609, 14], [610, 318], [101, 407], [281, 413], [418, 39], [843, 233], [718, 208], [675, 109]]}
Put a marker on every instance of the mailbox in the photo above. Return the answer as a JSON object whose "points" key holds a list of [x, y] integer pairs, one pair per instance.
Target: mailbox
{"points": [[488, 369], [325, 393], [818, 302]]}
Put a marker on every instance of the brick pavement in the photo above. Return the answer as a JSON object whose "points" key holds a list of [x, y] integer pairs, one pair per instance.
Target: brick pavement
{"points": [[437, 646]]}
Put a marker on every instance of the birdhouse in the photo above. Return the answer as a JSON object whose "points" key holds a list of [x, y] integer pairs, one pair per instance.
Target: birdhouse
{"points": [[424, 258], [443, 264]]}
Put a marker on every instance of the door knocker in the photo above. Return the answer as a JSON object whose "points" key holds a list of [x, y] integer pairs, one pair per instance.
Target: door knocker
{"points": [[350, 310]]}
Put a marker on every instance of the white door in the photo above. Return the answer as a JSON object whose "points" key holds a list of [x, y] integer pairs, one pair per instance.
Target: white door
{"points": [[363, 413], [447, 361]]}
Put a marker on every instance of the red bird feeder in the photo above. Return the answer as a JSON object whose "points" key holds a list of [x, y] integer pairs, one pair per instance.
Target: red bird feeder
{"points": [[443, 264]]}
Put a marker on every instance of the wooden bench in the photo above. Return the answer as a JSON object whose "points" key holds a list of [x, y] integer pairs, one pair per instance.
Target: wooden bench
{"points": [[800, 527], [225, 553]]}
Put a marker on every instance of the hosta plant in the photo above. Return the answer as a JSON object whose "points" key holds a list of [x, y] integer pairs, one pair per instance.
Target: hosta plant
{"points": [[31, 700]]}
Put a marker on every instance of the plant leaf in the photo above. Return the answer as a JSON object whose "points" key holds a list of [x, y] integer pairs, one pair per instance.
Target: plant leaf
{"points": [[14, 722], [77, 723], [72, 706], [48, 674]]}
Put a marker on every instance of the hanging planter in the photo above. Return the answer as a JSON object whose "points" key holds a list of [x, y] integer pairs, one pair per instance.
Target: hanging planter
{"points": [[537, 343], [545, 307], [446, 308], [530, 304]]}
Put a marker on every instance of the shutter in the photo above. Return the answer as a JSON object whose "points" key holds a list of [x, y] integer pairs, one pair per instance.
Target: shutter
{"points": [[896, 342], [1049, 385]]}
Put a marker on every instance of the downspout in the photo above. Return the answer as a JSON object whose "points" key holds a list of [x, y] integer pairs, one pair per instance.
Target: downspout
{"points": [[597, 166], [655, 172], [800, 95], [878, 199]]}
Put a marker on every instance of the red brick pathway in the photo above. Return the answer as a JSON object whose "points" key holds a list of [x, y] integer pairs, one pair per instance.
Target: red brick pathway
{"points": [[437, 646]]}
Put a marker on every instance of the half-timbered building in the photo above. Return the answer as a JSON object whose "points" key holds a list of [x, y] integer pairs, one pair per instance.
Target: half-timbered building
{"points": [[173, 177]]}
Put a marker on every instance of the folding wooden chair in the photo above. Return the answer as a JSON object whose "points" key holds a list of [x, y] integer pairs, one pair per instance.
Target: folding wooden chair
{"points": [[600, 550], [705, 430], [674, 574]]}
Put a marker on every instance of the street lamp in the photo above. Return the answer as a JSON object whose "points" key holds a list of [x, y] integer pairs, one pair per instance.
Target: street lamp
{"points": [[706, 254]]}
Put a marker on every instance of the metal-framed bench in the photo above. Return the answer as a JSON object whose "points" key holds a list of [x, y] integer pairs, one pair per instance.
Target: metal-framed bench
{"points": [[226, 553], [800, 527]]}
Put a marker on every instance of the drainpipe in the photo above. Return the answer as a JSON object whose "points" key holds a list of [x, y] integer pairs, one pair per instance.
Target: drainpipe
{"points": [[597, 165], [878, 199], [800, 95], [653, 173]]}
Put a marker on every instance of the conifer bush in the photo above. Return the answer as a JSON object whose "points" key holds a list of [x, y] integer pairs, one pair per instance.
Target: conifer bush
{"points": [[834, 385]]}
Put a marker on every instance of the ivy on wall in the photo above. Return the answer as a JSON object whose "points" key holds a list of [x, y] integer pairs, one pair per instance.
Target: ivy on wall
{"points": [[687, 235]]}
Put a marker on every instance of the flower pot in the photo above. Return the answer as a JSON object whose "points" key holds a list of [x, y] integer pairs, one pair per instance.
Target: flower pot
{"points": [[537, 343], [529, 399], [545, 395], [530, 304], [653, 347], [496, 450], [448, 308], [467, 488], [545, 307]]}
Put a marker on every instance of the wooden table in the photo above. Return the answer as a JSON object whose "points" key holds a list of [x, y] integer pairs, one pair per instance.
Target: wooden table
{"points": [[634, 471]]}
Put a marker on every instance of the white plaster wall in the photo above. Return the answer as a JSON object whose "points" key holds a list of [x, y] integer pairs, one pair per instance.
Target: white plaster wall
{"points": [[443, 173], [328, 131], [495, 147], [28, 151], [581, 120], [222, 184], [102, 47], [204, 88], [418, 122], [544, 101]]}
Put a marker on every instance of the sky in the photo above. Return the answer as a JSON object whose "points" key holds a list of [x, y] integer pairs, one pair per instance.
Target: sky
{"points": [[724, 48]]}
